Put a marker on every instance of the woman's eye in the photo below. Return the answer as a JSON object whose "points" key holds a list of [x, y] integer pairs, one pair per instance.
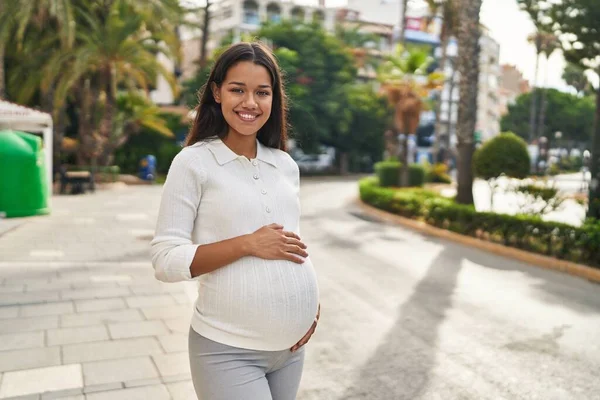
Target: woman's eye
{"points": [[237, 90], [264, 93]]}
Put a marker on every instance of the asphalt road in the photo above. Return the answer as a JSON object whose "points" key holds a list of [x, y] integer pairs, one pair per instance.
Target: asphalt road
{"points": [[405, 316]]}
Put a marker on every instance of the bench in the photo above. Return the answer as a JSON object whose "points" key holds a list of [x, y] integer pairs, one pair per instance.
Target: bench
{"points": [[77, 180]]}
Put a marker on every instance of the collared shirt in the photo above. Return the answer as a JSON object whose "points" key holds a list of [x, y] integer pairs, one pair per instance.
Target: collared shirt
{"points": [[212, 194]]}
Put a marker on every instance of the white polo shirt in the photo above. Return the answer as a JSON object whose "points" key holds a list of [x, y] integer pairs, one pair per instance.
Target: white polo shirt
{"points": [[212, 194]]}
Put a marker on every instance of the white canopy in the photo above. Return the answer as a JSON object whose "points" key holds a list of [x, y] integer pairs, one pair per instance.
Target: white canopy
{"points": [[19, 118]]}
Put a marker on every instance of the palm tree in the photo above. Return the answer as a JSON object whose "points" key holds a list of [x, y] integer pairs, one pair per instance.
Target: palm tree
{"points": [[17, 16], [406, 82], [550, 45], [574, 75], [537, 10], [469, 33], [113, 50], [448, 11]]}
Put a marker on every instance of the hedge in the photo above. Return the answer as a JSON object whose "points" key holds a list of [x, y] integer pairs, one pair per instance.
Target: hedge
{"points": [[555, 239], [389, 174]]}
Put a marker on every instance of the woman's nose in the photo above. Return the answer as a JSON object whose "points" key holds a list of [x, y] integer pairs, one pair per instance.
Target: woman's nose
{"points": [[250, 101]]}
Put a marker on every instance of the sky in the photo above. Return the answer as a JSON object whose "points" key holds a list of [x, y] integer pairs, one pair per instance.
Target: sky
{"points": [[509, 27]]}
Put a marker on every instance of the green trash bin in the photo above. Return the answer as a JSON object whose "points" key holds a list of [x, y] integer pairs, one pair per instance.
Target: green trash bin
{"points": [[23, 184]]}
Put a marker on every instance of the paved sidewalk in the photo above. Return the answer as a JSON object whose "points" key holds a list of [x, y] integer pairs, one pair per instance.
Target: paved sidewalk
{"points": [[81, 315]]}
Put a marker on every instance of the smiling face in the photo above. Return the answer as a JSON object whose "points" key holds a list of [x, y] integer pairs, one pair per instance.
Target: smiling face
{"points": [[246, 98]]}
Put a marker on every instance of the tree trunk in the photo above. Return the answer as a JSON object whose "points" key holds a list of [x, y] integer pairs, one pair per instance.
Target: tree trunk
{"points": [[444, 39], [450, 111], [543, 103], [205, 35], [594, 195], [402, 21], [469, 34], [2, 73], [533, 111], [344, 163], [404, 159]]}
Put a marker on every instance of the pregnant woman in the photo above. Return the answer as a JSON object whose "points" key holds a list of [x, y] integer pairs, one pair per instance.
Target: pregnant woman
{"points": [[229, 218]]}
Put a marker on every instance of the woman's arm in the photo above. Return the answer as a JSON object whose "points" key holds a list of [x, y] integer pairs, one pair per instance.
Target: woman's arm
{"points": [[172, 247], [270, 242]]}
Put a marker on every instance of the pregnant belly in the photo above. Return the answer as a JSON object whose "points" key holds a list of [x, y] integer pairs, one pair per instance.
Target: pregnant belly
{"points": [[270, 303]]}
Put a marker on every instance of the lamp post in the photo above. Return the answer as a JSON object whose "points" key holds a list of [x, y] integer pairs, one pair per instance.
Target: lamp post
{"points": [[543, 154]]}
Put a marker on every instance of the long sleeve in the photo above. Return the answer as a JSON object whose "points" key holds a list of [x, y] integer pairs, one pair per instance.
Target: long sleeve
{"points": [[172, 247]]}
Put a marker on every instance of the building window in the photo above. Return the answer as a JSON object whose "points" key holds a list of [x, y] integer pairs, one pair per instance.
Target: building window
{"points": [[227, 12], [251, 16], [273, 13], [297, 14]]}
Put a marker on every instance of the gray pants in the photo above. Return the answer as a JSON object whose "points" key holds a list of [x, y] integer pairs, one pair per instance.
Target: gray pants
{"points": [[222, 372]]}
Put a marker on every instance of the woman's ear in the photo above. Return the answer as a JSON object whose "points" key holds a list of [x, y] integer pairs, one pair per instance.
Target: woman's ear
{"points": [[216, 92]]}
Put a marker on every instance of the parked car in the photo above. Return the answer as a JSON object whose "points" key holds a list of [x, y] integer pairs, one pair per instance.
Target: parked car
{"points": [[316, 163]]}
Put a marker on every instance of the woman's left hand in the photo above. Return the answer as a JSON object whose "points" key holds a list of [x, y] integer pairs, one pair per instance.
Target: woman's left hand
{"points": [[309, 334]]}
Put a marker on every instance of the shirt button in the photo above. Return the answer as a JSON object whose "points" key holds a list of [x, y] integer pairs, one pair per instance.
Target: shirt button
{"points": [[255, 176], [268, 210], [255, 163], [263, 191]]}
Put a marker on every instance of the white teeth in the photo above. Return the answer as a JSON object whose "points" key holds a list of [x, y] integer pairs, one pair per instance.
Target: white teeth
{"points": [[248, 116]]}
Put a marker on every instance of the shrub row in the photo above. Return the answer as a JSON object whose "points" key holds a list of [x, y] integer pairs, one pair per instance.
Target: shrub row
{"points": [[562, 241], [389, 174]]}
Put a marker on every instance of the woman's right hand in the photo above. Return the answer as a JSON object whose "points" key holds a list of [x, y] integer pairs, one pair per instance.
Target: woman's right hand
{"points": [[271, 242]]}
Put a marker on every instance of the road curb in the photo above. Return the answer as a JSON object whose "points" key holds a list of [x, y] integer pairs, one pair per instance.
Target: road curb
{"points": [[579, 270]]}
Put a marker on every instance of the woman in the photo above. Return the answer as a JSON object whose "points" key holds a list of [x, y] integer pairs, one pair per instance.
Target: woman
{"points": [[229, 217]]}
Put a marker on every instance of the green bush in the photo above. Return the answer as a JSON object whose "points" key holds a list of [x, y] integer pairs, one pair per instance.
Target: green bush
{"points": [[416, 175], [531, 233], [505, 154], [388, 173], [438, 173]]}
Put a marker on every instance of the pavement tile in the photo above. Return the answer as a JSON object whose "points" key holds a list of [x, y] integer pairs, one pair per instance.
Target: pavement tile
{"points": [[28, 324], [174, 343], [143, 382], [177, 378], [181, 390], [38, 310], [9, 312], [64, 394], [44, 286], [11, 299], [137, 329], [114, 349], [121, 370], [169, 312], [172, 364], [103, 387], [95, 293], [76, 335], [157, 392], [15, 360], [99, 305], [178, 325], [15, 341], [12, 289], [150, 301], [155, 288], [98, 318]]}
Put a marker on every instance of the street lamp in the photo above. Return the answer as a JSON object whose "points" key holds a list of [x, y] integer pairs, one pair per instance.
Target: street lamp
{"points": [[543, 153]]}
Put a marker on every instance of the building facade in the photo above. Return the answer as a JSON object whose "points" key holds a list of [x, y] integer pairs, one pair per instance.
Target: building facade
{"points": [[512, 85]]}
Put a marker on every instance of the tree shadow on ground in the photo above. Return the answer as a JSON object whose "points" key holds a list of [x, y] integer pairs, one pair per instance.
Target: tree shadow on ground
{"points": [[401, 366]]}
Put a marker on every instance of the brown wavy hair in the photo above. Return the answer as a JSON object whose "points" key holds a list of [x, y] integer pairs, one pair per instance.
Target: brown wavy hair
{"points": [[209, 121]]}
